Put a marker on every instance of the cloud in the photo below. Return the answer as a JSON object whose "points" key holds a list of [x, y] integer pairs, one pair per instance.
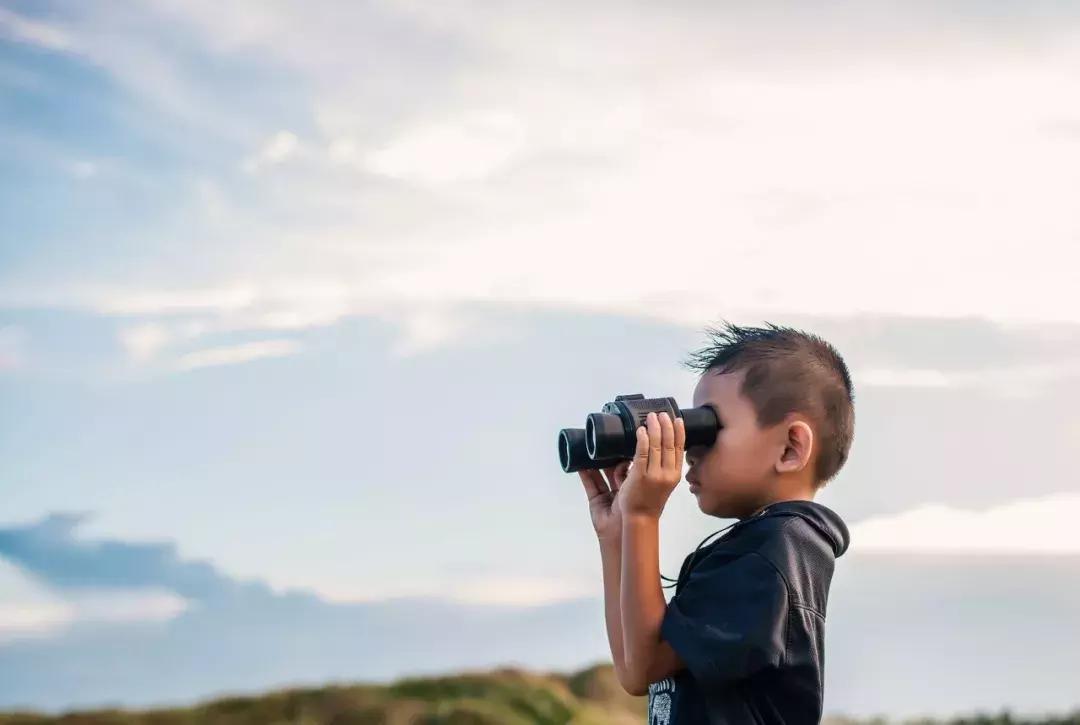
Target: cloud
{"points": [[783, 183], [35, 32], [49, 619], [50, 552], [1045, 526], [18, 620], [467, 148], [143, 342], [427, 329], [1018, 380], [144, 580], [277, 149], [235, 354], [501, 179], [521, 590], [163, 301], [259, 638]]}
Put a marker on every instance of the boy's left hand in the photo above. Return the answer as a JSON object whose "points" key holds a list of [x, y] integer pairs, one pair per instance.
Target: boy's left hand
{"points": [[656, 468]]}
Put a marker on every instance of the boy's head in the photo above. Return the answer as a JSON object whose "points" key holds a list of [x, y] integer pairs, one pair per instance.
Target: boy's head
{"points": [[784, 401]]}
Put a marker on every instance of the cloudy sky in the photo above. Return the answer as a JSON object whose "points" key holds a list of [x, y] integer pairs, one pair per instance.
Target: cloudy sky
{"points": [[295, 297]]}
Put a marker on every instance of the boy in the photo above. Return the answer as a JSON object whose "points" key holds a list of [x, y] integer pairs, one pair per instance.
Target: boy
{"points": [[742, 640]]}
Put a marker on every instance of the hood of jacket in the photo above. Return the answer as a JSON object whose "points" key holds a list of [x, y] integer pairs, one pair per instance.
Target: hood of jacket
{"points": [[822, 518]]}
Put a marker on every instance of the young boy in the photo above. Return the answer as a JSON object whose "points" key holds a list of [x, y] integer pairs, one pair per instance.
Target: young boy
{"points": [[742, 640]]}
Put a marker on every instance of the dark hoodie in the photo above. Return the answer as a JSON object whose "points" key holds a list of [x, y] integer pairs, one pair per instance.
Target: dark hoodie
{"points": [[748, 620]]}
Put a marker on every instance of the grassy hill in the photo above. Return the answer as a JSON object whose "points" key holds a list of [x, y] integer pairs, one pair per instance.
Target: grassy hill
{"points": [[501, 697], [504, 696]]}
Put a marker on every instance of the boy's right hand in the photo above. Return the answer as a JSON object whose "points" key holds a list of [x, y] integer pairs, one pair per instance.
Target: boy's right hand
{"points": [[606, 517]]}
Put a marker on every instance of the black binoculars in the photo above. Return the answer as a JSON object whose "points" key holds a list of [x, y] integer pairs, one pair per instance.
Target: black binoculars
{"points": [[610, 436]]}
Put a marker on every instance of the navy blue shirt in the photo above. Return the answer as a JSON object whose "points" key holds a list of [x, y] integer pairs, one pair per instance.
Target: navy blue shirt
{"points": [[748, 620]]}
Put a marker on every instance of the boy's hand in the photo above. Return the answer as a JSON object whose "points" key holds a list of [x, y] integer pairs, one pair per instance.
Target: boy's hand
{"points": [[657, 466], [606, 517]]}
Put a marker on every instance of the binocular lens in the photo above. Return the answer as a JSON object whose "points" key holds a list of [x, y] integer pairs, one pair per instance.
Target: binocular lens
{"points": [[605, 434], [574, 454], [611, 435], [566, 446]]}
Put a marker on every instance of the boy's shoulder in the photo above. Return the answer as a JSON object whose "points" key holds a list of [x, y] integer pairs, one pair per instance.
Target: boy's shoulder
{"points": [[780, 532], [802, 539], [799, 539], [796, 524]]}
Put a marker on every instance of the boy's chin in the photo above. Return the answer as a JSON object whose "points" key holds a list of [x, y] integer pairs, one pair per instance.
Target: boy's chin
{"points": [[722, 512], [708, 505], [717, 507]]}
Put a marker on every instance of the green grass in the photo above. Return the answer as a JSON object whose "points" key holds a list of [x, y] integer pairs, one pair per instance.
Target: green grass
{"points": [[501, 697]]}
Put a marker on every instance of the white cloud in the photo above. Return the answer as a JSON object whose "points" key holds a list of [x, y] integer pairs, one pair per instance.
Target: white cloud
{"points": [[277, 148], [128, 301], [142, 342], [18, 620], [1030, 526], [780, 187], [1017, 380], [767, 183], [234, 354], [522, 590], [27, 609], [35, 32], [424, 330], [467, 148], [52, 617], [343, 150], [135, 605]]}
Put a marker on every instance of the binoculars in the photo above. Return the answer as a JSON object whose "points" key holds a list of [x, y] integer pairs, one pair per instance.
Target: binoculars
{"points": [[610, 436]]}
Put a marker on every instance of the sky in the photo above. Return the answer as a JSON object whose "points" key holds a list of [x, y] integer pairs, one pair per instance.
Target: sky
{"points": [[295, 298]]}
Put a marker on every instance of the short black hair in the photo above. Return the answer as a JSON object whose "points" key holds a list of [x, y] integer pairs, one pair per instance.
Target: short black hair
{"points": [[788, 370]]}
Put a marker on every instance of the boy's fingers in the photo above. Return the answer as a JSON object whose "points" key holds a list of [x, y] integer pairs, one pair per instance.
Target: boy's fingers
{"points": [[656, 461], [609, 474], [641, 453], [593, 482], [680, 444], [667, 442]]}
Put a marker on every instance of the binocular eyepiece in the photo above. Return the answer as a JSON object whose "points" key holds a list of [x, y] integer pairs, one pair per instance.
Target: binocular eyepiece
{"points": [[610, 436]]}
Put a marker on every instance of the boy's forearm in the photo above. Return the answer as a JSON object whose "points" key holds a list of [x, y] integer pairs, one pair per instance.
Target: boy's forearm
{"points": [[611, 556], [641, 603]]}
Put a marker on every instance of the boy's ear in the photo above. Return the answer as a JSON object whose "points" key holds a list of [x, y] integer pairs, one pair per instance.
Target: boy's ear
{"points": [[798, 445]]}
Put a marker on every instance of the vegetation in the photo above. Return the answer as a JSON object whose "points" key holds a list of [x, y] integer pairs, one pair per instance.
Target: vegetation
{"points": [[504, 696]]}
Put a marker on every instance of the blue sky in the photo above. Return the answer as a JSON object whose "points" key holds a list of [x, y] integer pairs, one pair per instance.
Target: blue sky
{"points": [[298, 298]]}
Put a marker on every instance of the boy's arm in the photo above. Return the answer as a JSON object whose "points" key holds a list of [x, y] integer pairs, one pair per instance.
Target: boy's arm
{"points": [[611, 556], [607, 520], [647, 657]]}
